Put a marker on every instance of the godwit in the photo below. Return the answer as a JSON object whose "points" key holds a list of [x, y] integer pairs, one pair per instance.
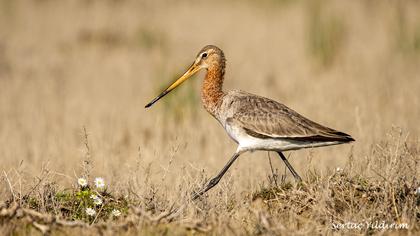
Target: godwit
{"points": [[254, 122]]}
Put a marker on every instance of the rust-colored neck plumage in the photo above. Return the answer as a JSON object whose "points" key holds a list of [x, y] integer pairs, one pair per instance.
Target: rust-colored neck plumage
{"points": [[212, 93]]}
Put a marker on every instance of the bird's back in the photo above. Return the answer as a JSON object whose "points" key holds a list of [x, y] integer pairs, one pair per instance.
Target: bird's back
{"points": [[264, 118]]}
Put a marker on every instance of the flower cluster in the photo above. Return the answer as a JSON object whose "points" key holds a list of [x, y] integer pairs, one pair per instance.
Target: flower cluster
{"points": [[93, 200], [99, 183]]}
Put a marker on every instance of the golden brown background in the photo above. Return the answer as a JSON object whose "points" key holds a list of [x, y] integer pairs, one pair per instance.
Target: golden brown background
{"points": [[66, 65]]}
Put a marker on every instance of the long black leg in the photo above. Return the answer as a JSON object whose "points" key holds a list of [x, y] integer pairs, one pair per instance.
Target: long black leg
{"points": [[294, 173], [213, 182]]}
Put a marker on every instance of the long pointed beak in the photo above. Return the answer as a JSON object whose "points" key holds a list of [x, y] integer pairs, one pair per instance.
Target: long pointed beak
{"points": [[194, 68]]}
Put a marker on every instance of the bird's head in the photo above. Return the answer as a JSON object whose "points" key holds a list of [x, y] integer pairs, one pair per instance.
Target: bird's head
{"points": [[208, 57]]}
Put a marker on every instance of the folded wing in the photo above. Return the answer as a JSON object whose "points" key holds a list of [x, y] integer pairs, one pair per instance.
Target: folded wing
{"points": [[264, 118]]}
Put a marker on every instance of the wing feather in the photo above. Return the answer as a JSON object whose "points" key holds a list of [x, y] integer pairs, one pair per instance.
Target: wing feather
{"points": [[264, 118]]}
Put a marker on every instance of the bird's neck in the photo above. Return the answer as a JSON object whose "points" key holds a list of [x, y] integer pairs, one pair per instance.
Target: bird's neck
{"points": [[212, 93]]}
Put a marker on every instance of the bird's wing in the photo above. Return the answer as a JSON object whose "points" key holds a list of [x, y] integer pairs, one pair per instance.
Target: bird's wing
{"points": [[264, 118]]}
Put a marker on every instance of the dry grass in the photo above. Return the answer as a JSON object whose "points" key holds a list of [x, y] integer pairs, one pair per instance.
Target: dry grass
{"points": [[75, 76]]}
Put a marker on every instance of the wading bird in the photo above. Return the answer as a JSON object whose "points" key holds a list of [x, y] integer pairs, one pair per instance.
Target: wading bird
{"points": [[254, 122]]}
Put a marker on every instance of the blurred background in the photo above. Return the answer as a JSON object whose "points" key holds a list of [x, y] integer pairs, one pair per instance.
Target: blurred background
{"points": [[94, 64]]}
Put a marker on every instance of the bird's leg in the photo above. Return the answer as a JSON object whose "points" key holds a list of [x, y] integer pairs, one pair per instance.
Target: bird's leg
{"points": [[294, 173], [213, 182]]}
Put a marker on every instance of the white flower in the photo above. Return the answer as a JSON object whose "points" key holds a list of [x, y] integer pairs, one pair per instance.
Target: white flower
{"points": [[338, 169], [418, 191], [82, 182], [96, 199], [99, 183], [90, 211], [116, 212]]}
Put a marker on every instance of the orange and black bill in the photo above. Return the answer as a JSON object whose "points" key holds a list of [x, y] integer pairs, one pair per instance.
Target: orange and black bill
{"points": [[191, 71]]}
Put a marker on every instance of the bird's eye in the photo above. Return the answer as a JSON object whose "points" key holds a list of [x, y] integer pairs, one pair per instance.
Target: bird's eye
{"points": [[204, 55]]}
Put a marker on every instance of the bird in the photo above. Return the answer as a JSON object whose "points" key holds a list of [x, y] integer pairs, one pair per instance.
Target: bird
{"points": [[254, 122]]}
